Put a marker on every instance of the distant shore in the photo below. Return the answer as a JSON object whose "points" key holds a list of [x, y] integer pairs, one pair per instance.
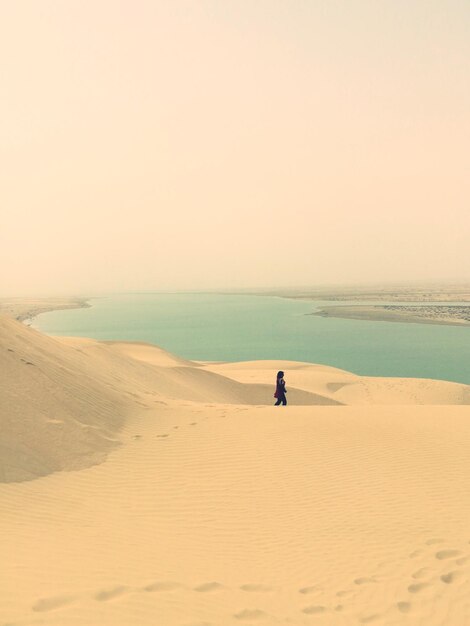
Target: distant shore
{"points": [[24, 309], [421, 314], [437, 293]]}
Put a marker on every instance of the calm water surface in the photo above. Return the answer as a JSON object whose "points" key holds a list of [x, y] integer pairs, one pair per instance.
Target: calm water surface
{"points": [[235, 328]]}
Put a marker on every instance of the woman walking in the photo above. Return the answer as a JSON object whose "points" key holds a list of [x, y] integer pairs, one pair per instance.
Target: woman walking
{"points": [[280, 393]]}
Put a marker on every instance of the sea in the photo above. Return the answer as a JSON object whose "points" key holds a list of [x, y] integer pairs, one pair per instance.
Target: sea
{"points": [[220, 327]]}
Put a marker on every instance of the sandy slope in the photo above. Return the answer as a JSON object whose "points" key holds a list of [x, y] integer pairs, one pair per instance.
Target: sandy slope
{"points": [[211, 509]]}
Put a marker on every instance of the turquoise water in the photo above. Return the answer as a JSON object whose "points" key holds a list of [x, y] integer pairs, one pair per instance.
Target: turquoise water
{"points": [[234, 328]]}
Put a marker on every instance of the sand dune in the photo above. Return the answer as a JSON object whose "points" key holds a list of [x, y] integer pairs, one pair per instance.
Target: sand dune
{"points": [[348, 388], [195, 505], [79, 391], [54, 413], [148, 353]]}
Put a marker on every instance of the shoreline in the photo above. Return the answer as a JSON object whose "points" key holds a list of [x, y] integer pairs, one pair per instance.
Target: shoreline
{"points": [[421, 314], [26, 309], [445, 294]]}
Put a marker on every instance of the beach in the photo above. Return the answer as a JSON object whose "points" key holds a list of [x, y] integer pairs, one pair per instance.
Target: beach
{"points": [[432, 304], [24, 309], [141, 487], [452, 315]]}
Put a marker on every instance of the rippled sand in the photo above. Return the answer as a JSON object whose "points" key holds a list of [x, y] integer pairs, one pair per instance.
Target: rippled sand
{"points": [[142, 488]]}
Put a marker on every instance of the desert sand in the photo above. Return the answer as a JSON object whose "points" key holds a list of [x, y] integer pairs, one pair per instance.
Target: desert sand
{"points": [[139, 488]]}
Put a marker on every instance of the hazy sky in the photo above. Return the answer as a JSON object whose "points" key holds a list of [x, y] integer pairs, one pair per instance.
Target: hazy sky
{"points": [[150, 144]]}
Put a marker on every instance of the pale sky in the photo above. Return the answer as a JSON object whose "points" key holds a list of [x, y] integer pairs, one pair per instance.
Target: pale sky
{"points": [[153, 145]]}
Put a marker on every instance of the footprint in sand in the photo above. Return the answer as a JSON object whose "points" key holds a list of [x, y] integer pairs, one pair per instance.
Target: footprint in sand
{"points": [[416, 553], [367, 619], [424, 572], [417, 587], [364, 581], [193, 424], [462, 561], [208, 587], [404, 607], [27, 362], [311, 589], [256, 588], [250, 614], [162, 586], [163, 436], [49, 604], [108, 594], [447, 554], [314, 610], [451, 577]]}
